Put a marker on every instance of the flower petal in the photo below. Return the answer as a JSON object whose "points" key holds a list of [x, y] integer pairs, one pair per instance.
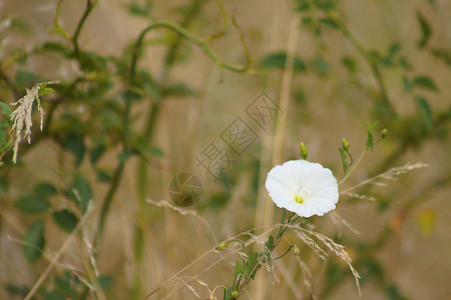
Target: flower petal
{"points": [[313, 182]]}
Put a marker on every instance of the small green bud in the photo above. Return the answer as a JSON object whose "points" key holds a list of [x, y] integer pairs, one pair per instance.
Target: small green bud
{"points": [[345, 145], [384, 133], [304, 152], [221, 246], [296, 250], [234, 294]]}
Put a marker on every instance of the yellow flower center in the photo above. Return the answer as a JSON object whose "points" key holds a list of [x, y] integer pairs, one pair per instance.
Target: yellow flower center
{"points": [[299, 199]]}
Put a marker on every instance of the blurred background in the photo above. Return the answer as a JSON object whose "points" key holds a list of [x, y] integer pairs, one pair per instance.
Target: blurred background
{"points": [[138, 105]]}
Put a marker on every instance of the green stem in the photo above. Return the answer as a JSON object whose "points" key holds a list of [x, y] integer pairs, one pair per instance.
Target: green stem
{"points": [[285, 253], [89, 6], [354, 166], [116, 178], [107, 204], [187, 35], [282, 222]]}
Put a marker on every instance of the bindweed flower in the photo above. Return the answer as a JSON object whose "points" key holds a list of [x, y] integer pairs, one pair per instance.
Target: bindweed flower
{"points": [[303, 187]]}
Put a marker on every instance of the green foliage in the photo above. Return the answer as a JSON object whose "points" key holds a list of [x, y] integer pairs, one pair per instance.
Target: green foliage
{"points": [[104, 116], [32, 204], [142, 10], [425, 111], [251, 266], [106, 282], [6, 111], [65, 219], [53, 295], [81, 193], [76, 146], [345, 154], [67, 285], [392, 292], [279, 60], [3, 186], [34, 241], [343, 160], [25, 78], [370, 127], [350, 63], [45, 189], [425, 83], [426, 30]]}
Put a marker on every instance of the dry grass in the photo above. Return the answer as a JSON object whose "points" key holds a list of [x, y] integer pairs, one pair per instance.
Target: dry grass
{"points": [[181, 260]]}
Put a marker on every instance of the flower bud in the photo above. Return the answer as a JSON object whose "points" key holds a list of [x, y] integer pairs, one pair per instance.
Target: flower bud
{"points": [[304, 152], [235, 294], [221, 246], [296, 250], [384, 133], [345, 145]]}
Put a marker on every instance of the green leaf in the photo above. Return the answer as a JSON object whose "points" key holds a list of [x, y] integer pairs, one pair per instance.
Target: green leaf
{"points": [[329, 22], [105, 282], [303, 5], [371, 126], [45, 189], [103, 176], [228, 293], [32, 204], [278, 61], [140, 10], [156, 151], [91, 61], [408, 85], [325, 4], [124, 156], [369, 129], [238, 269], [96, 152], [393, 50], [3, 140], [251, 266], [3, 185], [25, 78], [17, 290], [5, 110], [82, 192], [306, 21], [180, 90], [343, 160], [67, 284], [150, 87], [320, 65], [392, 292], [426, 30], [45, 91], [34, 242], [369, 141], [425, 110], [143, 149], [75, 145], [270, 243], [350, 63], [425, 82], [53, 295], [65, 219]]}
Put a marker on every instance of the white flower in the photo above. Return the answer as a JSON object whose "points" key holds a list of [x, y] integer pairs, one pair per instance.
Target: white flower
{"points": [[303, 187]]}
